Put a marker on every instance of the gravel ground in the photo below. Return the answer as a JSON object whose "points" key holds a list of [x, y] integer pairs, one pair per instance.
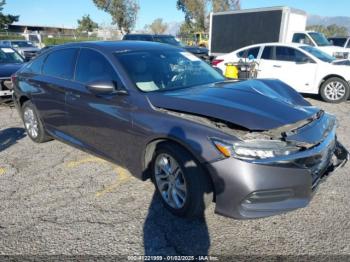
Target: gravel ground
{"points": [[56, 200]]}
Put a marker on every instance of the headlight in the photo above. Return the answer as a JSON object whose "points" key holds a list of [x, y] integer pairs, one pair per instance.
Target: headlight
{"points": [[255, 149], [340, 55]]}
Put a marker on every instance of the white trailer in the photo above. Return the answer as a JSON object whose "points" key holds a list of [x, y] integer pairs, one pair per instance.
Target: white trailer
{"points": [[232, 30]]}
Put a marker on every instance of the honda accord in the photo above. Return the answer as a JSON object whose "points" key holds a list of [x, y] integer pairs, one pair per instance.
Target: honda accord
{"points": [[256, 148]]}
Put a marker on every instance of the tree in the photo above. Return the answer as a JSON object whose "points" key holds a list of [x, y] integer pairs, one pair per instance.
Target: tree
{"points": [[6, 19], [329, 31], [123, 12], [157, 26], [225, 5], [86, 24], [197, 12]]}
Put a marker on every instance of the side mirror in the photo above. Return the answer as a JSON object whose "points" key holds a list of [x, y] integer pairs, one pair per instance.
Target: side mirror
{"points": [[105, 88], [101, 87]]}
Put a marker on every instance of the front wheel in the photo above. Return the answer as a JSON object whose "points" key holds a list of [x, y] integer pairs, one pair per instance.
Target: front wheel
{"points": [[184, 187], [334, 90]]}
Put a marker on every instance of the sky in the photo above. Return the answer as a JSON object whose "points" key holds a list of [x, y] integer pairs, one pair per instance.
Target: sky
{"points": [[66, 12]]}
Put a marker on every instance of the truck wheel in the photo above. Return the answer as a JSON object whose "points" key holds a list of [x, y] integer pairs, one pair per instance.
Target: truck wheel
{"points": [[334, 90], [184, 187], [33, 124]]}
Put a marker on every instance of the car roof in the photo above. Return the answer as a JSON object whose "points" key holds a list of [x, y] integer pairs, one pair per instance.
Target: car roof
{"points": [[112, 46], [162, 35], [296, 45], [5, 46]]}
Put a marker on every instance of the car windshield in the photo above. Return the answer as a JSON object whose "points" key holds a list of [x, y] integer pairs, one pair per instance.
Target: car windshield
{"points": [[168, 40], [22, 44], [338, 41], [320, 39], [319, 54], [9, 56], [162, 70]]}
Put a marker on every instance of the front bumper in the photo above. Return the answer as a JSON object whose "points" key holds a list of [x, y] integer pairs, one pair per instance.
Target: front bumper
{"points": [[252, 190]]}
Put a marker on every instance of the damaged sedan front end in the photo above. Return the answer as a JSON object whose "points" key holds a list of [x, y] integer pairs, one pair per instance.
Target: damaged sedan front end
{"points": [[267, 172], [278, 175]]}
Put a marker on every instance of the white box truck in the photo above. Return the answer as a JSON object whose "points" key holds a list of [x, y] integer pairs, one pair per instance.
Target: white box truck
{"points": [[232, 30]]}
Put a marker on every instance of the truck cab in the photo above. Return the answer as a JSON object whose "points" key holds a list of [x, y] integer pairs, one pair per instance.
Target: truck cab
{"points": [[318, 40]]}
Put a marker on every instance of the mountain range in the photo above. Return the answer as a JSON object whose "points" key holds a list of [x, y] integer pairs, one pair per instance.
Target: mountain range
{"points": [[329, 20]]}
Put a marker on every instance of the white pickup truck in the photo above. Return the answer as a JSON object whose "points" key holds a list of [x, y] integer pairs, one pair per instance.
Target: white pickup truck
{"points": [[318, 40]]}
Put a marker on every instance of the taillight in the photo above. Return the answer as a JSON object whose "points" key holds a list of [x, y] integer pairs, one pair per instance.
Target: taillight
{"points": [[13, 79], [215, 62]]}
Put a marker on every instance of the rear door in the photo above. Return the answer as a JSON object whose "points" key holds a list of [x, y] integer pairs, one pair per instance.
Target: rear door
{"points": [[56, 76], [290, 66], [100, 123]]}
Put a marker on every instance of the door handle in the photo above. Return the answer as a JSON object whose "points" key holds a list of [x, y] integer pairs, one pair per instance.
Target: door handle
{"points": [[277, 66]]}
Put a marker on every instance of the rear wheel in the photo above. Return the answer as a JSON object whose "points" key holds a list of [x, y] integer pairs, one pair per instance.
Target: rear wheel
{"points": [[33, 124], [184, 187], [334, 90]]}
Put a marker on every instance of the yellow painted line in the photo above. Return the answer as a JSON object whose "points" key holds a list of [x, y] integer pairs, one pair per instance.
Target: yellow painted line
{"points": [[73, 164], [122, 176], [2, 171]]}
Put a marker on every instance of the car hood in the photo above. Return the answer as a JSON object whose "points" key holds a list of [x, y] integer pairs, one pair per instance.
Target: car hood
{"points": [[196, 50], [257, 105], [332, 49], [6, 70]]}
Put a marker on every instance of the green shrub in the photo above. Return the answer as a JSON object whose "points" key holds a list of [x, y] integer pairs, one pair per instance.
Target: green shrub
{"points": [[63, 40], [11, 36]]}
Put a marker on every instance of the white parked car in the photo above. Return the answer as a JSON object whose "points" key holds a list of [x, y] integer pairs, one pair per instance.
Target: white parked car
{"points": [[303, 67]]}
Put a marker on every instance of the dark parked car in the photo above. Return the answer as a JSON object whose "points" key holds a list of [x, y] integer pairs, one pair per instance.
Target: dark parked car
{"points": [[25, 48], [201, 52], [10, 62], [256, 148]]}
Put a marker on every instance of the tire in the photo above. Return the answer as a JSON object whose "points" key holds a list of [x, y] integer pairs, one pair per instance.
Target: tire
{"points": [[191, 177], [334, 90], [33, 124]]}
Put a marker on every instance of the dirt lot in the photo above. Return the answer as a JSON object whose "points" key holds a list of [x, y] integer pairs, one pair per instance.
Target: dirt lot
{"points": [[58, 200]]}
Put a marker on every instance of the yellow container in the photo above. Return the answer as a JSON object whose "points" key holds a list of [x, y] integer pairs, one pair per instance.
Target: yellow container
{"points": [[231, 71]]}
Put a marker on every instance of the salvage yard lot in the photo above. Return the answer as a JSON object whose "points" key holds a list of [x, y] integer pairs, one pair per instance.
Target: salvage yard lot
{"points": [[58, 200]]}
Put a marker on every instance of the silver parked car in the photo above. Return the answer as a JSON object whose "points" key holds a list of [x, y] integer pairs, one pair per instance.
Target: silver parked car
{"points": [[25, 48]]}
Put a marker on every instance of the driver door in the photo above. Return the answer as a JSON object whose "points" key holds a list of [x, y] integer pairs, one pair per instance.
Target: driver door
{"points": [[98, 122]]}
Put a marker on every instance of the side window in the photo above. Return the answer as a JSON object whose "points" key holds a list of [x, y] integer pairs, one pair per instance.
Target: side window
{"points": [[348, 44], [35, 66], [93, 66], [251, 51], [289, 54], [61, 63], [267, 53], [301, 39]]}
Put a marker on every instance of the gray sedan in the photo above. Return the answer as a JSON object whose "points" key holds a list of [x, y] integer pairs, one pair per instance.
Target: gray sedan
{"points": [[256, 148]]}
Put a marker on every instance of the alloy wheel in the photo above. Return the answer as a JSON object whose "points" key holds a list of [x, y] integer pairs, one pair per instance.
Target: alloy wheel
{"points": [[170, 181], [335, 90]]}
